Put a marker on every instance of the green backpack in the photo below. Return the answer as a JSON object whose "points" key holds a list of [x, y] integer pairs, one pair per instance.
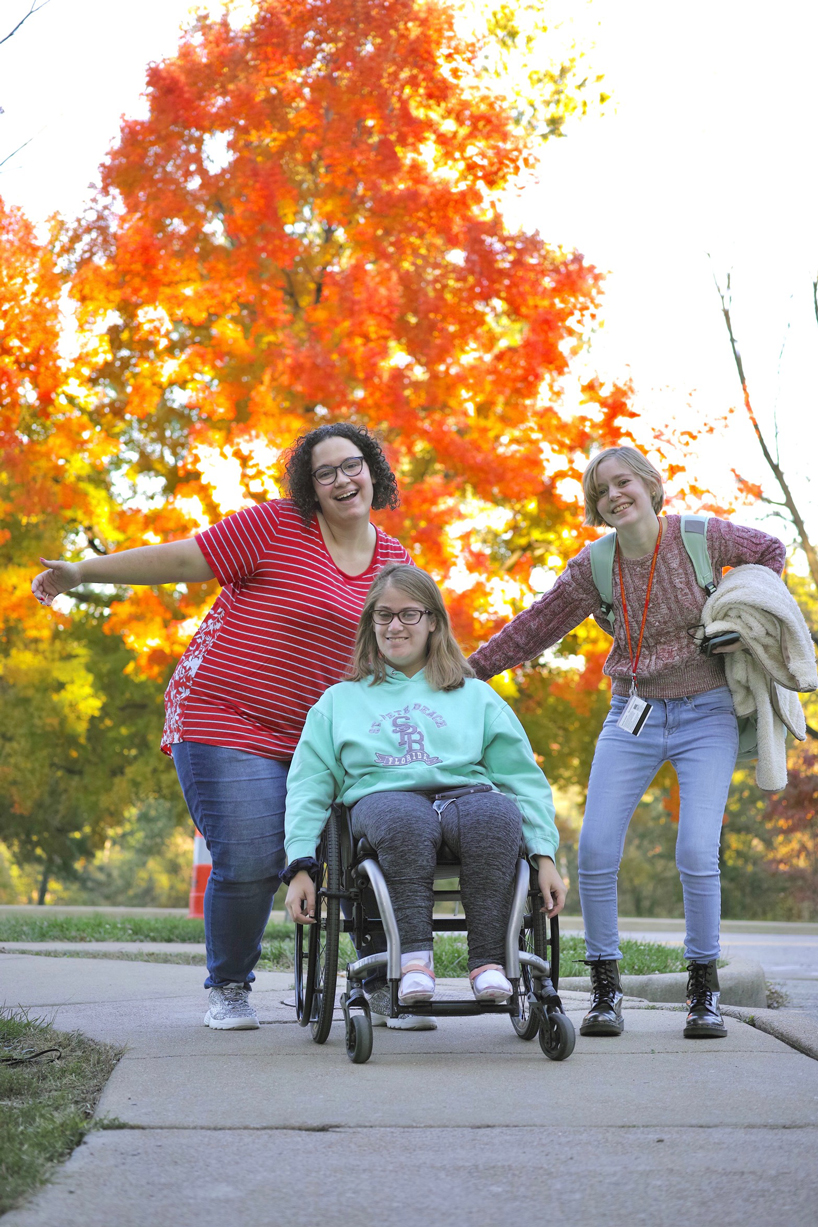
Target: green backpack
{"points": [[694, 538]]}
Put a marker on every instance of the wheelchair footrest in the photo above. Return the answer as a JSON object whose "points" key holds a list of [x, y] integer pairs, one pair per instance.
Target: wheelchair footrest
{"points": [[457, 1009]]}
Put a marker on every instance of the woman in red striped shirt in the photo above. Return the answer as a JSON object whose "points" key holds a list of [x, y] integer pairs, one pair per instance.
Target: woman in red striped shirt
{"points": [[294, 575]]}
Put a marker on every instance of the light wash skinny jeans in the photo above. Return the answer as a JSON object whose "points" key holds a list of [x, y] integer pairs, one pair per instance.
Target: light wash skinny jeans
{"points": [[699, 736]]}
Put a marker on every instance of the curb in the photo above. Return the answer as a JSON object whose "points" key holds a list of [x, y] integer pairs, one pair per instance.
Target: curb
{"points": [[742, 984], [793, 1027]]}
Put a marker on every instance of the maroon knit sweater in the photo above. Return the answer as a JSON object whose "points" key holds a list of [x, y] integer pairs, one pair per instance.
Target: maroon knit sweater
{"points": [[671, 665]]}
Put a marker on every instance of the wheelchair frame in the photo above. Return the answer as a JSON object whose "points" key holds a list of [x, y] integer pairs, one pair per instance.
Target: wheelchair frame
{"points": [[344, 874]]}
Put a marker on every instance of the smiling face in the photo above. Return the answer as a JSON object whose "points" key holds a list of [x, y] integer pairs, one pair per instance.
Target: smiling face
{"points": [[624, 498], [348, 498], [403, 647]]}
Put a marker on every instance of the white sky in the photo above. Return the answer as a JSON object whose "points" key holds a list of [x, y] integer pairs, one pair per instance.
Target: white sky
{"points": [[708, 145]]}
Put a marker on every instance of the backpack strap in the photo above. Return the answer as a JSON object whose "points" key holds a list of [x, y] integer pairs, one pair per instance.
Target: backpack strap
{"points": [[694, 537], [602, 558]]}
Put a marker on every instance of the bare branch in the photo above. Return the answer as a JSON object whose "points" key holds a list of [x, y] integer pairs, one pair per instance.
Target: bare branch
{"points": [[778, 384], [772, 502], [16, 151], [789, 501], [93, 540], [35, 8]]}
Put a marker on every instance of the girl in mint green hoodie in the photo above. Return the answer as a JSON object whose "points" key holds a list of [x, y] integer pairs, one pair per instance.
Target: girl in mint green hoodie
{"points": [[412, 723]]}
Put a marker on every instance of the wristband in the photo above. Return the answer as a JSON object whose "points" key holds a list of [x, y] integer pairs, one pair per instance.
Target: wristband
{"points": [[304, 862]]}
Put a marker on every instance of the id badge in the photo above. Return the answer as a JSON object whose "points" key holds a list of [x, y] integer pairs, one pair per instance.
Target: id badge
{"points": [[635, 715]]}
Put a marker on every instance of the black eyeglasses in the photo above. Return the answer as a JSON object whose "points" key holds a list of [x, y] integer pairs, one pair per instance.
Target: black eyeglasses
{"points": [[409, 617], [327, 474]]}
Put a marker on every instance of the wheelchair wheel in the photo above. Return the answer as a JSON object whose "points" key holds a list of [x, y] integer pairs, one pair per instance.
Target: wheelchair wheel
{"points": [[557, 1036], [533, 940], [322, 956], [359, 1039]]}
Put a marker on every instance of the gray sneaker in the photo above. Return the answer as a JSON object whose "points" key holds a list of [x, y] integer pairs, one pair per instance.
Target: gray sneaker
{"points": [[379, 1005], [230, 1009]]}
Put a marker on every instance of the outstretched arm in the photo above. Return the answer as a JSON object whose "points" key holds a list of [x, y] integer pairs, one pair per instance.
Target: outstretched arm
{"points": [[177, 562], [731, 545], [571, 600]]}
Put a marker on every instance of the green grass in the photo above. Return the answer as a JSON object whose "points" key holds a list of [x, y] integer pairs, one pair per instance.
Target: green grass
{"points": [[45, 1107], [640, 958], [91, 928]]}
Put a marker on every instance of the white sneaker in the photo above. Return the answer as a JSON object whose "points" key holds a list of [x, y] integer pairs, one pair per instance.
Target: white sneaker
{"points": [[230, 1009], [379, 1005], [491, 985]]}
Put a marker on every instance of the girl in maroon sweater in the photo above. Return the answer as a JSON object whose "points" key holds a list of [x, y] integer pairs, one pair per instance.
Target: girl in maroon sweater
{"points": [[663, 687]]}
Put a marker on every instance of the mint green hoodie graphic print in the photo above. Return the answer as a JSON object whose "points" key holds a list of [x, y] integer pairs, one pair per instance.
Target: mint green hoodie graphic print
{"points": [[402, 736]]}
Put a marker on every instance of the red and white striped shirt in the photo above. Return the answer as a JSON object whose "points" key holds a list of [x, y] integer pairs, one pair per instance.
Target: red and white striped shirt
{"points": [[281, 632]]}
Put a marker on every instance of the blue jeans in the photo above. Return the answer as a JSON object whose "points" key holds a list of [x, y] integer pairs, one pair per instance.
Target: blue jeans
{"points": [[699, 736], [237, 801]]}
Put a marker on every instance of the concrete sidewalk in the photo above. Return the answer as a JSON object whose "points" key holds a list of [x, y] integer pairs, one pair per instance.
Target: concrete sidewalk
{"points": [[465, 1124]]}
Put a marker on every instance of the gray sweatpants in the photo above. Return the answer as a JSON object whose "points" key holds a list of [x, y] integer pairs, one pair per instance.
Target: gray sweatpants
{"points": [[484, 830]]}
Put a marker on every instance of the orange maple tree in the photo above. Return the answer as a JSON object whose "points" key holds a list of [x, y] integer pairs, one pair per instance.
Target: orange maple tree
{"points": [[305, 227], [54, 470], [75, 729]]}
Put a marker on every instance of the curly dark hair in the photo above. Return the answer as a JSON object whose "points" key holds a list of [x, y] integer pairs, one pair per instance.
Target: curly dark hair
{"points": [[298, 470]]}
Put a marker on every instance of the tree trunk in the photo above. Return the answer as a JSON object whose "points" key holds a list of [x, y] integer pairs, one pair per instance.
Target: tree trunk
{"points": [[44, 883]]}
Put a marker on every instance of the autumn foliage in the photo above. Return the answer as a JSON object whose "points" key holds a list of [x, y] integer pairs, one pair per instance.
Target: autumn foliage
{"points": [[792, 818], [306, 227], [39, 432]]}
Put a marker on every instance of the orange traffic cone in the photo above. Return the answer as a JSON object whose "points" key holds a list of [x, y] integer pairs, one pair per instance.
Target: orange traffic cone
{"points": [[202, 865]]}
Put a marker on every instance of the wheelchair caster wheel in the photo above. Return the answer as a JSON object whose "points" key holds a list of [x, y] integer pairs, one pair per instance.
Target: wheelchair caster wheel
{"points": [[359, 1039], [527, 1022], [557, 1036]]}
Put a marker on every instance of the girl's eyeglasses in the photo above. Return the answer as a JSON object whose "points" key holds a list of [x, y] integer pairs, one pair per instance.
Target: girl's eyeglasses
{"points": [[328, 473], [409, 617]]}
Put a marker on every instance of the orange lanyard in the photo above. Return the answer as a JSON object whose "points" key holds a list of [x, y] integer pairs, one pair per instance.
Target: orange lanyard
{"points": [[635, 661]]}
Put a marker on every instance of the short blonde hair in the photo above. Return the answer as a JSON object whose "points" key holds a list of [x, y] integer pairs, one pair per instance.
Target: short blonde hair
{"points": [[446, 667], [635, 461]]}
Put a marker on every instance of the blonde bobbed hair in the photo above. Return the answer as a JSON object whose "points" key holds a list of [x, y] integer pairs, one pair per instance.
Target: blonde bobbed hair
{"points": [[446, 667], [635, 461]]}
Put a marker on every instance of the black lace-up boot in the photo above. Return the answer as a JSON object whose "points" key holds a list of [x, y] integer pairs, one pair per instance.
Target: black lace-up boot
{"points": [[704, 1020], [605, 1014]]}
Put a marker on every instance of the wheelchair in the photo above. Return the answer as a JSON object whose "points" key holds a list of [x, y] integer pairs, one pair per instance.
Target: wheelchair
{"points": [[346, 870]]}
